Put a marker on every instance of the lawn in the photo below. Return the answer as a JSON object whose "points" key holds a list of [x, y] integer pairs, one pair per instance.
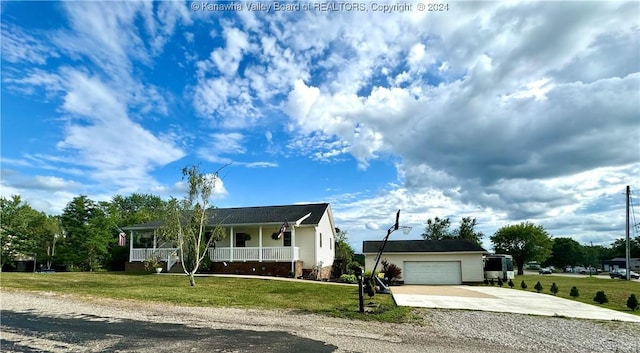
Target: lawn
{"points": [[311, 297], [617, 291]]}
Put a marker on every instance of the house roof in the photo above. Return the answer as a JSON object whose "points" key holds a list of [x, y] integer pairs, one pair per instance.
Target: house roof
{"points": [[257, 215], [413, 246]]}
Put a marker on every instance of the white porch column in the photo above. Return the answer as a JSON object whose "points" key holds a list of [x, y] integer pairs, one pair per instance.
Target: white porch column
{"points": [[231, 242], [260, 244], [155, 240], [292, 248], [130, 245]]}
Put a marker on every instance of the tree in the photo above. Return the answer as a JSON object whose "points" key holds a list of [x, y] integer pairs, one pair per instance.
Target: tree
{"points": [[601, 297], [524, 241], [619, 247], [87, 234], [632, 302], [23, 229], [126, 211], [186, 220], [566, 251], [574, 292], [467, 230], [554, 288], [437, 229], [344, 254], [538, 287]]}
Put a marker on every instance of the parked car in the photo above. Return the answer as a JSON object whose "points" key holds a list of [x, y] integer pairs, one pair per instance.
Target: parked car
{"points": [[622, 273], [590, 270], [545, 271]]}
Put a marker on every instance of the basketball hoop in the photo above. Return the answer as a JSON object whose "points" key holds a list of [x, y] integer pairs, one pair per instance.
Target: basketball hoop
{"points": [[405, 229]]}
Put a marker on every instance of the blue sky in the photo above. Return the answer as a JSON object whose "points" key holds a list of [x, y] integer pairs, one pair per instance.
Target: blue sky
{"points": [[504, 111]]}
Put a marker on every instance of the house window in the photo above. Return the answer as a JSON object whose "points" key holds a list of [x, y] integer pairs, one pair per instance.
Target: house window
{"points": [[320, 239], [286, 239], [241, 239]]}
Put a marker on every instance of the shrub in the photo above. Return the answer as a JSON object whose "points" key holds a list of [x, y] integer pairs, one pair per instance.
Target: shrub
{"points": [[348, 279], [492, 282], [554, 288], [523, 285], [600, 297], [151, 263], [574, 292], [391, 271], [500, 283], [486, 281], [632, 302], [538, 287], [511, 284]]}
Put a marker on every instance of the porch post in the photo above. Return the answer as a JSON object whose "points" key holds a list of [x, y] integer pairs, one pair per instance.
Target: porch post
{"points": [[293, 247], [130, 245], [155, 240], [231, 244], [260, 244]]}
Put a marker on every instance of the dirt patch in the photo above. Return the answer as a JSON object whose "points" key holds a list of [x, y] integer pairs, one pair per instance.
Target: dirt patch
{"points": [[451, 291]]}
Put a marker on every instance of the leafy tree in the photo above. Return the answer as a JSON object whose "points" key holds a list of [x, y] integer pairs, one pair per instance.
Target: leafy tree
{"points": [[524, 241], [467, 230], [437, 229], [23, 229], [601, 297], [554, 288], [126, 211], [344, 254], [186, 220], [87, 234], [620, 245], [632, 302], [566, 251]]}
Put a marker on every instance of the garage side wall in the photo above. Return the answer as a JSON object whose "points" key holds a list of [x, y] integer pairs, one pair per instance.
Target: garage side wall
{"points": [[471, 263]]}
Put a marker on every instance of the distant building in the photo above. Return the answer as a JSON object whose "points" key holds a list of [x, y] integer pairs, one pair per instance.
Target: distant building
{"points": [[621, 262]]}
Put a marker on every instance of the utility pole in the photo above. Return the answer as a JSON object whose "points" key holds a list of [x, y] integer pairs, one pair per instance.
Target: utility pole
{"points": [[628, 253]]}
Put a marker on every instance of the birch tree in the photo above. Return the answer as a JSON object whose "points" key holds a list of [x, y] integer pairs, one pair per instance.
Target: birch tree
{"points": [[186, 221]]}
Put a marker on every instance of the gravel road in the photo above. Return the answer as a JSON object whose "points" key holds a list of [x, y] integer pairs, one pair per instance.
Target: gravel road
{"points": [[229, 330]]}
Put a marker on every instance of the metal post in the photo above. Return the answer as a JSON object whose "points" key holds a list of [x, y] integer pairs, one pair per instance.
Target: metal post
{"points": [[358, 271], [628, 254]]}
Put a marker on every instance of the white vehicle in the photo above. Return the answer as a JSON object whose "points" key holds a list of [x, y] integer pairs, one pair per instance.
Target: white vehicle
{"points": [[498, 266]]}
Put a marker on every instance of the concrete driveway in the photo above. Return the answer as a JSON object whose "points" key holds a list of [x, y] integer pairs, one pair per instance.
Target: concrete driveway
{"points": [[504, 300]]}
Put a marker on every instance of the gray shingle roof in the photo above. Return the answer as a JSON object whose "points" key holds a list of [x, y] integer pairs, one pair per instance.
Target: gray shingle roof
{"points": [[447, 245], [257, 215]]}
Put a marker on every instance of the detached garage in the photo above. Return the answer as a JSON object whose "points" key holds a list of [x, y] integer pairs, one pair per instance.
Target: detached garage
{"points": [[450, 261]]}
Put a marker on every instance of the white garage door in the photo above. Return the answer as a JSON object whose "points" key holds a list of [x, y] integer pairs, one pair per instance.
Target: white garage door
{"points": [[432, 272]]}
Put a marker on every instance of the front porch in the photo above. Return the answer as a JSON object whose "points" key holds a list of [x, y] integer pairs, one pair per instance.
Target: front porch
{"points": [[260, 254]]}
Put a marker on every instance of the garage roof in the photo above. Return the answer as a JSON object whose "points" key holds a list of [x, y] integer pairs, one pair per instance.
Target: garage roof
{"points": [[413, 246]]}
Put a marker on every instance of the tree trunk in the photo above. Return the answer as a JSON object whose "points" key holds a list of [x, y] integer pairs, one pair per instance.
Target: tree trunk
{"points": [[192, 278], [520, 269]]}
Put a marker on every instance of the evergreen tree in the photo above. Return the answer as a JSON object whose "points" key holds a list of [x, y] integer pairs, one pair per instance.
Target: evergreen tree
{"points": [[574, 292], [601, 298], [554, 288], [538, 287], [523, 285], [632, 302]]}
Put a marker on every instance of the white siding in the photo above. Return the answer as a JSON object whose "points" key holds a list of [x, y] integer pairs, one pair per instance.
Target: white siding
{"points": [[470, 263], [305, 240], [326, 253]]}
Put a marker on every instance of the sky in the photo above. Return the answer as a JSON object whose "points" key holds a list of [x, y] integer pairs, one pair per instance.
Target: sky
{"points": [[507, 112]]}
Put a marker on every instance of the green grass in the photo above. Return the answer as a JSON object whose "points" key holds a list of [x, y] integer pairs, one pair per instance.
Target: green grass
{"points": [[311, 297], [617, 291]]}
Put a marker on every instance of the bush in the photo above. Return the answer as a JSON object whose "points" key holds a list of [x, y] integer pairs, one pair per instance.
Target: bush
{"points": [[523, 285], [574, 292], [511, 284], [554, 288], [538, 287], [151, 263], [348, 279], [486, 281], [632, 302], [600, 297], [391, 271], [500, 283]]}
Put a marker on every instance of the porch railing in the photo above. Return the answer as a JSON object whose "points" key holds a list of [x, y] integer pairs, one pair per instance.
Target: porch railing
{"points": [[227, 254]]}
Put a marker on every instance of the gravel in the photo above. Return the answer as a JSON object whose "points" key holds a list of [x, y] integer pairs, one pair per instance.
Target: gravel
{"points": [[431, 330]]}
